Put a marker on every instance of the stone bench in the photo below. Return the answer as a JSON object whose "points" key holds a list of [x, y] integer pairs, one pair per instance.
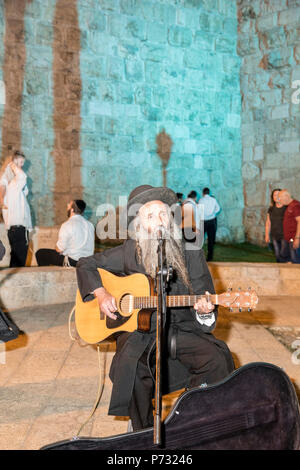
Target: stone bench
{"points": [[264, 278], [33, 286]]}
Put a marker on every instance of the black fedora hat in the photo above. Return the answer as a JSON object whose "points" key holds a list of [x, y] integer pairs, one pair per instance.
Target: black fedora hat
{"points": [[146, 193]]}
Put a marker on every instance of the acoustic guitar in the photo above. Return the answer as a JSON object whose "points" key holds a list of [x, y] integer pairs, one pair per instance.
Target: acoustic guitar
{"points": [[136, 302]]}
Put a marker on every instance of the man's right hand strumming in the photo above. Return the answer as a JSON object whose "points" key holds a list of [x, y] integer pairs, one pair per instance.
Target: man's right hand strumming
{"points": [[107, 303]]}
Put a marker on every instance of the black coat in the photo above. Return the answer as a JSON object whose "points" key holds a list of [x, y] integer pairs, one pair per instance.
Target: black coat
{"points": [[122, 260]]}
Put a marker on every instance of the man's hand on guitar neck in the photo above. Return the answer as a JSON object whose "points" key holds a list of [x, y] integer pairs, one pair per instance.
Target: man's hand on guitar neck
{"points": [[203, 305], [107, 303]]}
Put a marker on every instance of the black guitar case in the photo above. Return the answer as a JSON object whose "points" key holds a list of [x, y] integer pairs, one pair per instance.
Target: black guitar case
{"points": [[254, 408]]}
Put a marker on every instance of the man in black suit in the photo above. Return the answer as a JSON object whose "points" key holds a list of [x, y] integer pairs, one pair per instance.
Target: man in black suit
{"points": [[192, 354]]}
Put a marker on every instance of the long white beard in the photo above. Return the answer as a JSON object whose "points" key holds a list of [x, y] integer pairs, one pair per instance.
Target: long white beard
{"points": [[147, 250]]}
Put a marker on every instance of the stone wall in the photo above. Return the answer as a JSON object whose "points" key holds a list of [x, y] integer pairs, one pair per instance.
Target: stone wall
{"points": [[269, 43], [161, 65], [91, 83]]}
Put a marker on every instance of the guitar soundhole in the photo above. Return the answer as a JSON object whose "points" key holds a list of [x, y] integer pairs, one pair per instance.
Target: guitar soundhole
{"points": [[126, 304]]}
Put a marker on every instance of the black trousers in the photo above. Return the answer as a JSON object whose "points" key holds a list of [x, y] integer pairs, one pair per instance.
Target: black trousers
{"points": [[18, 236], [210, 228], [206, 362], [49, 257]]}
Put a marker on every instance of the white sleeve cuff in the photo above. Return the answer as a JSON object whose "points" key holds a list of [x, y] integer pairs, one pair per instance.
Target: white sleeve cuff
{"points": [[206, 319]]}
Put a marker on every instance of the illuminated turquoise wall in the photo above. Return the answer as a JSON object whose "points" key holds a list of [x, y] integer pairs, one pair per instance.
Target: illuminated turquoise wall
{"points": [[143, 66], [147, 66]]}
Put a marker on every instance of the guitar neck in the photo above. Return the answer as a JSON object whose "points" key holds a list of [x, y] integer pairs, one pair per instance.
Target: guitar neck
{"points": [[173, 300]]}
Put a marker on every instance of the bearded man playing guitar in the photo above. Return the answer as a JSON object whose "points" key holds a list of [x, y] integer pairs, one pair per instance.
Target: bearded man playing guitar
{"points": [[192, 355]]}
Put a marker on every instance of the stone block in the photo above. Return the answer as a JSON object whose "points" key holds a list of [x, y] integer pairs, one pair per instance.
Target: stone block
{"points": [[136, 28], [266, 22], [153, 71], [125, 93], [258, 152], [43, 34], [274, 37], [115, 68], [92, 20], [210, 23], [93, 66], [271, 98], [152, 113], [109, 5], [179, 36], [281, 58], [204, 41], [279, 112], [153, 52], [250, 171], [293, 163], [289, 147], [233, 120], [225, 44], [163, 13], [270, 174], [156, 32], [128, 6], [289, 16]]}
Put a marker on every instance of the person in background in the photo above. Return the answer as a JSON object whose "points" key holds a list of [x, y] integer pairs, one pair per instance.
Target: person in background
{"points": [[210, 208], [15, 208], [179, 199], [291, 226], [190, 216], [274, 226], [76, 239]]}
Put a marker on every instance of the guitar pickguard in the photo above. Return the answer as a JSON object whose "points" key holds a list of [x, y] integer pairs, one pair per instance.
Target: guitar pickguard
{"points": [[112, 324]]}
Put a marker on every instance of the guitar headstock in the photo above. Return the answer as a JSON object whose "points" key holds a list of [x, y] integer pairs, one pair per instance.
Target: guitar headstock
{"points": [[238, 299]]}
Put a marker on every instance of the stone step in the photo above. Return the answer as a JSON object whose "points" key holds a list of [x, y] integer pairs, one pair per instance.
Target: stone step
{"points": [[33, 286]]}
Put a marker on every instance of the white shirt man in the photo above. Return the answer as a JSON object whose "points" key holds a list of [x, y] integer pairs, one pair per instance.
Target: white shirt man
{"points": [[76, 239], [210, 208]]}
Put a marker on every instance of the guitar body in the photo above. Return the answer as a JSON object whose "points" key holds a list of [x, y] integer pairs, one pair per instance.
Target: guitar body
{"points": [[254, 408], [94, 327], [136, 302]]}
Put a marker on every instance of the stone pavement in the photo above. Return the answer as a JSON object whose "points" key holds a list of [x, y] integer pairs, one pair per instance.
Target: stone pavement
{"points": [[49, 382]]}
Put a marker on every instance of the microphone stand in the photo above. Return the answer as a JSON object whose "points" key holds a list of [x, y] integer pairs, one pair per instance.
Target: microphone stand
{"points": [[163, 274]]}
